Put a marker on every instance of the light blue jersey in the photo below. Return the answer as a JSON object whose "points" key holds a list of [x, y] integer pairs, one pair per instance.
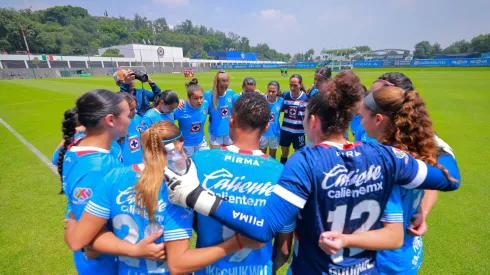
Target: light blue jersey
{"points": [[115, 200], [152, 116], [274, 124], [131, 148], [219, 118], [115, 149], [313, 91], [83, 169], [245, 178], [191, 122], [362, 136]]}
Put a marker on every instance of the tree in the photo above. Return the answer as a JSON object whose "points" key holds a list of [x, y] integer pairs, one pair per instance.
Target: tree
{"points": [[318, 58], [362, 49], [481, 43], [423, 50], [160, 25], [458, 47], [36, 61], [309, 55], [436, 49], [112, 52]]}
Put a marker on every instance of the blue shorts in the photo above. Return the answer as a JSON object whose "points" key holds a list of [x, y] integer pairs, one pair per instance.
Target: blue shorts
{"points": [[298, 140]]}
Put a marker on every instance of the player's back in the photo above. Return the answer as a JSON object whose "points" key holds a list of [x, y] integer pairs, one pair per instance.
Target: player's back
{"points": [[116, 200], [408, 258], [348, 187], [131, 147], [243, 177], [83, 167]]}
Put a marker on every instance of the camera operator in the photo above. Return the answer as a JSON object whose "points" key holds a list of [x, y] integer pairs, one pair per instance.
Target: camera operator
{"points": [[125, 80]]}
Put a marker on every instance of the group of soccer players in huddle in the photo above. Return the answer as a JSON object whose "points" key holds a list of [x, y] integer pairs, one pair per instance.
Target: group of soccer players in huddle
{"points": [[351, 207]]}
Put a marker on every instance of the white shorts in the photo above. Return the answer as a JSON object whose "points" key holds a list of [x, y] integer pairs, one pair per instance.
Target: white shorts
{"points": [[269, 142], [220, 140], [190, 150]]}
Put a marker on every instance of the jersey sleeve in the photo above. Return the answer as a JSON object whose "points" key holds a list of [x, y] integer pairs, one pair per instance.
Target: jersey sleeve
{"points": [[155, 89], [178, 223], [144, 124], [289, 227], [54, 158], [295, 182], [393, 212], [100, 205], [415, 174], [289, 196]]}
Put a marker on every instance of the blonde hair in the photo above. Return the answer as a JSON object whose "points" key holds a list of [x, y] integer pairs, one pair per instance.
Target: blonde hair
{"points": [[220, 76], [150, 182]]}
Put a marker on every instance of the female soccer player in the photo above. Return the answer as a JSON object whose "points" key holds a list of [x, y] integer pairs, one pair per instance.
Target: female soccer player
{"points": [[161, 109], [220, 100], [322, 74], [137, 203], [294, 107], [192, 119], [249, 85], [105, 116], [399, 118], [270, 139], [335, 186], [386, 80], [130, 145]]}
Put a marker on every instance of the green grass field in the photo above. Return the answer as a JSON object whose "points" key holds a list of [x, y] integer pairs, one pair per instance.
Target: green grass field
{"points": [[31, 211]]}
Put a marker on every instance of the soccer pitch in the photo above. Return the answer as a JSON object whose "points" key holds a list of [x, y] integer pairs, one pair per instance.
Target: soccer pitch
{"points": [[31, 211]]}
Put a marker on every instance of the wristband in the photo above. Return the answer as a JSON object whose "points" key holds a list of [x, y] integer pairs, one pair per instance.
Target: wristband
{"points": [[240, 245]]}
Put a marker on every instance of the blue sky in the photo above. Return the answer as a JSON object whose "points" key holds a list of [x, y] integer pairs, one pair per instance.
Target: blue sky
{"points": [[296, 26]]}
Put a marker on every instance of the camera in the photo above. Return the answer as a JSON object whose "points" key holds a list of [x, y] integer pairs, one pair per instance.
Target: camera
{"points": [[141, 76]]}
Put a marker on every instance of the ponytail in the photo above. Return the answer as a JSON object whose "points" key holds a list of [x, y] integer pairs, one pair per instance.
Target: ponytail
{"points": [[410, 127], [68, 127], [194, 81], [148, 186], [220, 76]]}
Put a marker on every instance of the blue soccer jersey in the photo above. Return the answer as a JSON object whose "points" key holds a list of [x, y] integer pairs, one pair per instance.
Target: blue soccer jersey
{"points": [[294, 112], [152, 116], [115, 200], [142, 96], [83, 169], [355, 122], [244, 178], [131, 147], [274, 125], [219, 118], [115, 149], [313, 91], [362, 136], [333, 187], [191, 123], [407, 259]]}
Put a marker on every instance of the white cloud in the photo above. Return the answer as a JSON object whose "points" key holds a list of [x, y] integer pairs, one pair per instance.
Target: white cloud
{"points": [[173, 3], [277, 19]]}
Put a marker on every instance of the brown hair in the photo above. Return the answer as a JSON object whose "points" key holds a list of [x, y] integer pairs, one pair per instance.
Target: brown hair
{"points": [[220, 76], [336, 102], [410, 127], [194, 81], [149, 184]]}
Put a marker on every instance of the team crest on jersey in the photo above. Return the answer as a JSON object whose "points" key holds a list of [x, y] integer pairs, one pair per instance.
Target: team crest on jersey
{"points": [[229, 99], [204, 112], [278, 108], [293, 111], [399, 153], [81, 195], [272, 117], [196, 127], [171, 116], [224, 111], [134, 143]]}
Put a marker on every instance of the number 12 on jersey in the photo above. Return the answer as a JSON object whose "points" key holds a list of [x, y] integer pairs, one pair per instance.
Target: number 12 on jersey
{"points": [[338, 220]]}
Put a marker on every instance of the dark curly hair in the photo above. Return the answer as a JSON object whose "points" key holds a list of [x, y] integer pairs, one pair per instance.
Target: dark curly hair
{"points": [[336, 102], [251, 111]]}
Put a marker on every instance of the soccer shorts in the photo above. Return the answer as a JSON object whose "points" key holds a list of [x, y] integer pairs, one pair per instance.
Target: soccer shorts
{"points": [[190, 150], [298, 140], [220, 140], [269, 142]]}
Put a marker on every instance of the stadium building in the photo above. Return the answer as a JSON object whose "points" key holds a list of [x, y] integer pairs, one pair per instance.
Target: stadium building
{"points": [[148, 53]]}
